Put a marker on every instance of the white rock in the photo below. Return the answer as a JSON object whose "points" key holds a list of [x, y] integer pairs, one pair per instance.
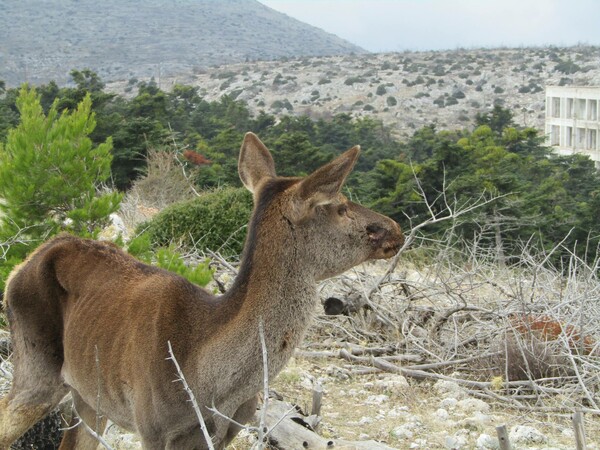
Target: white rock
{"points": [[394, 384], [118, 222], [376, 399], [419, 443], [568, 433], [449, 389], [307, 383], [523, 434], [469, 405], [120, 439], [486, 442], [407, 430], [365, 420], [442, 414], [455, 442], [403, 432], [476, 421], [448, 403], [398, 412]]}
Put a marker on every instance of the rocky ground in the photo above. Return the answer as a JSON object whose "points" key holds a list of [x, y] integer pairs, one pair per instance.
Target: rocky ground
{"points": [[364, 401], [405, 90]]}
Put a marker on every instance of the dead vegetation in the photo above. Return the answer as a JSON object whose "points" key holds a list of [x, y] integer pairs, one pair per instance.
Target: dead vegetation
{"points": [[522, 337]]}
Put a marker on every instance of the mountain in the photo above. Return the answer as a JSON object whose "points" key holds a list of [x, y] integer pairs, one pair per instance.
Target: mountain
{"points": [[407, 90], [42, 40]]}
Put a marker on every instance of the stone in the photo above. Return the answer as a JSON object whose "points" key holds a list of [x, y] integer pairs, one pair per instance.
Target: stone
{"points": [[455, 442], [448, 403], [376, 399], [524, 434], [442, 414], [486, 442], [449, 389], [471, 405], [403, 432]]}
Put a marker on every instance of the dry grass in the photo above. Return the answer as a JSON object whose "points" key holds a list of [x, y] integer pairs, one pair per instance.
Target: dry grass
{"points": [[164, 183]]}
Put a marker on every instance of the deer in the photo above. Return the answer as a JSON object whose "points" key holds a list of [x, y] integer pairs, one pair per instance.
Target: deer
{"points": [[88, 319]]}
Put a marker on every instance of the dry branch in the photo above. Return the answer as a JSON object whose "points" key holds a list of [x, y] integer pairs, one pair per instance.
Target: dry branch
{"points": [[190, 394]]}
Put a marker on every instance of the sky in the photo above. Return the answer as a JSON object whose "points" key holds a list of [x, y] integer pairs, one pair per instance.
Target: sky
{"points": [[397, 25]]}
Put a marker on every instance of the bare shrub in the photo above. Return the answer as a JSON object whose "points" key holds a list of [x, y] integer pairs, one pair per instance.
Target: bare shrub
{"points": [[521, 330], [164, 183], [528, 357]]}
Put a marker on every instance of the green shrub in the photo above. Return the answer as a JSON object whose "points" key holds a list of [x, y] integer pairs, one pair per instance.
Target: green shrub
{"points": [[169, 259], [391, 101], [567, 67], [440, 101], [216, 220], [355, 79], [282, 104]]}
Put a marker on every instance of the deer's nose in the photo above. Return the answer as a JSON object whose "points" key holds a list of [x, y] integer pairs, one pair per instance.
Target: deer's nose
{"points": [[386, 241]]}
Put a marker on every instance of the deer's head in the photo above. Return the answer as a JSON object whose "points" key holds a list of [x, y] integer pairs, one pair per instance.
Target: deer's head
{"points": [[310, 217]]}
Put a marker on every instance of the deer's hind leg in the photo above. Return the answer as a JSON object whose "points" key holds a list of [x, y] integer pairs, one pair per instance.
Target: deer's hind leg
{"points": [[36, 335], [76, 436], [28, 401]]}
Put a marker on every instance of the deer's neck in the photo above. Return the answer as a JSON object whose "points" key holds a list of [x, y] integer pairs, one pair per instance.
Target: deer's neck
{"points": [[276, 286], [273, 282]]}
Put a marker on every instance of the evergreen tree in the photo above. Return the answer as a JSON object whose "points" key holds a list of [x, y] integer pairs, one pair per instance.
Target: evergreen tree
{"points": [[50, 172]]}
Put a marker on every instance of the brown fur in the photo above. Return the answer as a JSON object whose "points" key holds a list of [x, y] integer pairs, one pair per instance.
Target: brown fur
{"points": [[87, 318]]}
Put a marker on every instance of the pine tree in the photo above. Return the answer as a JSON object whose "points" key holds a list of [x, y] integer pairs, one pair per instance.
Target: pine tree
{"points": [[50, 172]]}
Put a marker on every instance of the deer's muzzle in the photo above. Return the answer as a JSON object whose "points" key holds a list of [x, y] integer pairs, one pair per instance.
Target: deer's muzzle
{"points": [[385, 241]]}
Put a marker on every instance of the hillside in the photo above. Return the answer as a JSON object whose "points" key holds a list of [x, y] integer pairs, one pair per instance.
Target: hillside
{"points": [[42, 40], [405, 90]]}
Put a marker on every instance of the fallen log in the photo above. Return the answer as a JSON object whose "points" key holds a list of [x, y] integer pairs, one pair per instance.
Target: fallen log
{"points": [[289, 429]]}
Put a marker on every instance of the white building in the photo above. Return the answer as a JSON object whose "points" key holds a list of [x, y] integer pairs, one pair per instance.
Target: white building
{"points": [[573, 120]]}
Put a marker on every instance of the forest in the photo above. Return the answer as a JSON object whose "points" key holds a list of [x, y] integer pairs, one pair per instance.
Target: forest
{"points": [[539, 198]]}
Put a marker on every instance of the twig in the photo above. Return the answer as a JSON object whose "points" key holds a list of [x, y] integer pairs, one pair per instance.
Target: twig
{"points": [[450, 213], [185, 175], [190, 394], [263, 412], [95, 435], [98, 416]]}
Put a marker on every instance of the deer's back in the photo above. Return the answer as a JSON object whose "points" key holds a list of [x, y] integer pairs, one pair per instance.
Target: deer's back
{"points": [[115, 315]]}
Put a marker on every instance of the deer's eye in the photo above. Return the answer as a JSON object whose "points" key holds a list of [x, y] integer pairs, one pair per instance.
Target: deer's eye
{"points": [[342, 210]]}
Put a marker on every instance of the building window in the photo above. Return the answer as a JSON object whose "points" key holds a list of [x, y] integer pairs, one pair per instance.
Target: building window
{"points": [[580, 138], [593, 110], [555, 107], [569, 137], [569, 108], [580, 108], [592, 139], [555, 135]]}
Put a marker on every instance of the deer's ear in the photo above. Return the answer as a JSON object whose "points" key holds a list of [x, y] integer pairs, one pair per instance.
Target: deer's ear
{"points": [[324, 184], [255, 162]]}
